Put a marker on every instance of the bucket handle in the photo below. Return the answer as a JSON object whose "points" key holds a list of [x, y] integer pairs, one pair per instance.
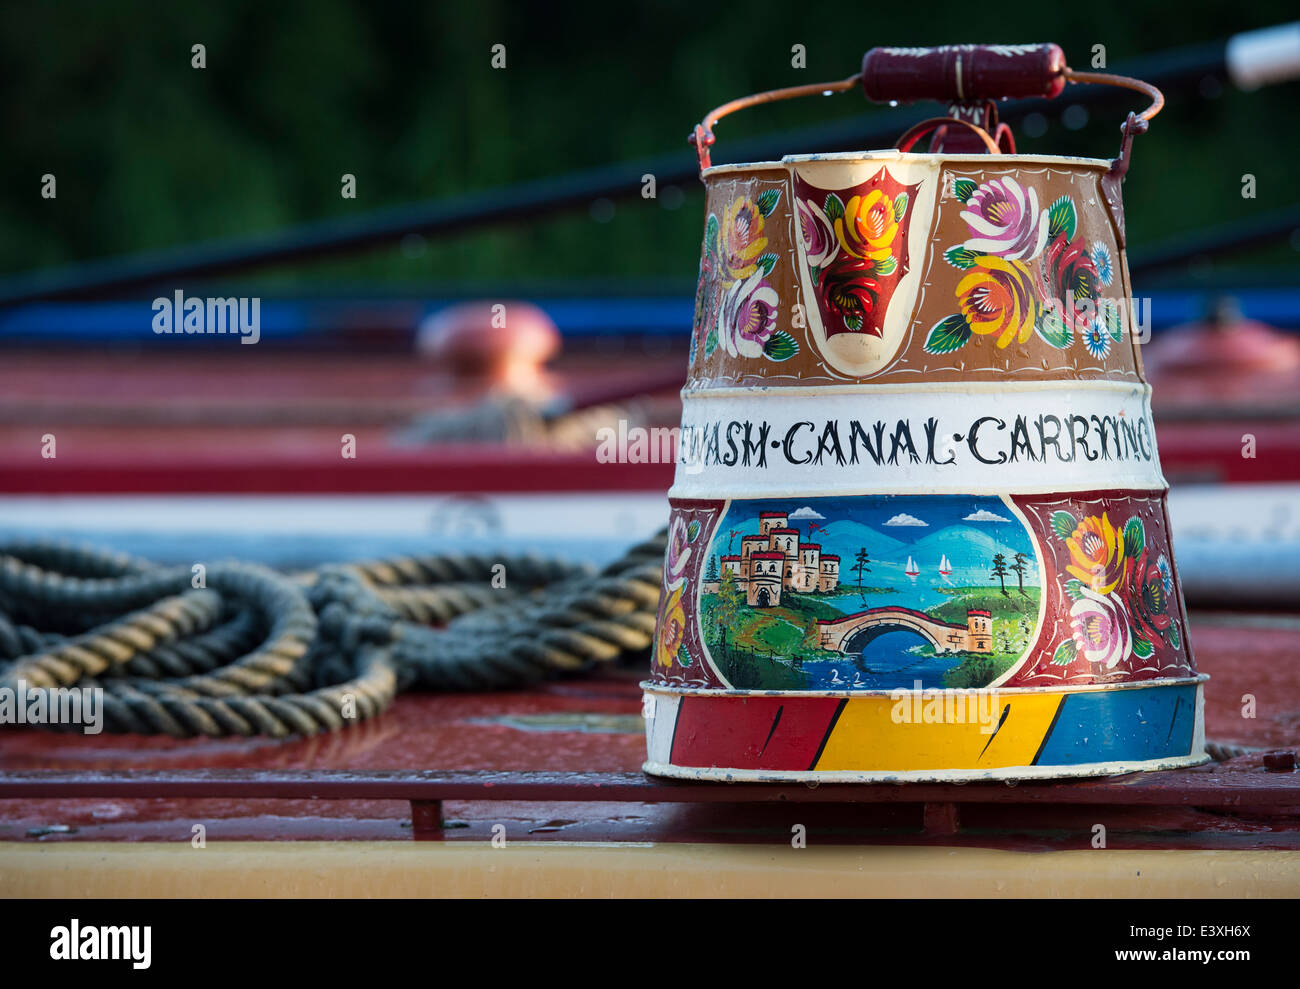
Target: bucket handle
{"points": [[703, 137], [905, 142]]}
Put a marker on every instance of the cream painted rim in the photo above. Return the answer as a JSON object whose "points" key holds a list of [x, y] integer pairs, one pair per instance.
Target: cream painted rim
{"points": [[892, 154]]}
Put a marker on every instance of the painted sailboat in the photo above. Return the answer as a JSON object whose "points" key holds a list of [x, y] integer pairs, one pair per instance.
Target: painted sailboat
{"points": [[912, 570], [945, 568]]}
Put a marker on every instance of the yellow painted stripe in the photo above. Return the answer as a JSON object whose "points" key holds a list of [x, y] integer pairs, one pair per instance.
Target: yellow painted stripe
{"points": [[119, 870], [881, 734]]}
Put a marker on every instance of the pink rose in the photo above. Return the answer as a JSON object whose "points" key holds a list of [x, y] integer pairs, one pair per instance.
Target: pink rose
{"points": [[1004, 219], [817, 233], [1100, 628]]}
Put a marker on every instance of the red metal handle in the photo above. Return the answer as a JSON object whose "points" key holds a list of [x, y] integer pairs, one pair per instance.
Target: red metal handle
{"points": [[963, 73], [926, 126]]}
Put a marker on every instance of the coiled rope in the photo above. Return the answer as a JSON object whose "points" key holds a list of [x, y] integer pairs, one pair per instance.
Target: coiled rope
{"points": [[257, 652]]}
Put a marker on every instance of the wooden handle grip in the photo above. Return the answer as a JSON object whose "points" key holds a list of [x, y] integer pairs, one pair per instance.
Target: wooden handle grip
{"points": [[963, 73]]}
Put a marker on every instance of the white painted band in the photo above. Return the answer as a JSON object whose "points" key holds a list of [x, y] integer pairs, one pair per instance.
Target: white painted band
{"points": [[1259, 58], [950, 441]]}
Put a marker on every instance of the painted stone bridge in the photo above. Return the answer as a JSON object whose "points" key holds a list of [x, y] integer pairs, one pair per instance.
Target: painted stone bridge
{"points": [[852, 633]]}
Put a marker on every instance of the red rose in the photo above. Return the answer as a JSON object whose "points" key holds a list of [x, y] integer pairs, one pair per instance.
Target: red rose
{"points": [[1148, 602], [850, 293], [1071, 280]]}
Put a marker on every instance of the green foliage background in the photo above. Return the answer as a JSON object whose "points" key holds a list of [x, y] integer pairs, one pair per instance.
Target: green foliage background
{"points": [[151, 153]]}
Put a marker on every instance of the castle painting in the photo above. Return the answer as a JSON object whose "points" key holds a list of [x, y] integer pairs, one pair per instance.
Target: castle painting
{"points": [[869, 592], [774, 560]]}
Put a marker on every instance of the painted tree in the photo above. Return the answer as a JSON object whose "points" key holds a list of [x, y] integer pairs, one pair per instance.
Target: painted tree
{"points": [[1000, 571], [712, 572], [860, 566], [1018, 565], [727, 610]]}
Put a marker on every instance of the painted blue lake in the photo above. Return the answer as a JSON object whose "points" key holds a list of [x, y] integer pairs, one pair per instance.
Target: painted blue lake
{"points": [[887, 662]]}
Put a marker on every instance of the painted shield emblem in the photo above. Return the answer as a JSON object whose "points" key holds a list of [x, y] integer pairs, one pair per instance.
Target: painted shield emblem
{"points": [[856, 249]]}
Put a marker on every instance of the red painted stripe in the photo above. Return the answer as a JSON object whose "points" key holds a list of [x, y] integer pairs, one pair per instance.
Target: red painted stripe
{"points": [[438, 470], [738, 732]]}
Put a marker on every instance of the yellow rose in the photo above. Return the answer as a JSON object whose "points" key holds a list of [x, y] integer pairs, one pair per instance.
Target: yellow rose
{"points": [[868, 226], [671, 632], [997, 296], [740, 240], [1097, 554]]}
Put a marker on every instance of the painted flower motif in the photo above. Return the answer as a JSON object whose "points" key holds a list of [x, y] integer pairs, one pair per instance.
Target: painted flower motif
{"points": [[868, 227], [1101, 258], [817, 233], [740, 240], [679, 549], [1004, 220], [1100, 628], [1070, 276], [997, 297], [671, 632], [748, 316], [1166, 574], [850, 291], [706, 300], [1097, 554], [1147, 597], [1097, 339]]}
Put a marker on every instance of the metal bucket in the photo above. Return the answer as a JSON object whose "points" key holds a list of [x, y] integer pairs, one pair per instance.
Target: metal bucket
{"points": [[918, 525]]}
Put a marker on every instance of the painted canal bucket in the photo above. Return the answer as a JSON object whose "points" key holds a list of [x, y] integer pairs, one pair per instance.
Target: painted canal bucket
{"points": [[918, 525]]}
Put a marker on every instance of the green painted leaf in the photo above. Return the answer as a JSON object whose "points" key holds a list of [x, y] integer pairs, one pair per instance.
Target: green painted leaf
{"points": [[1074, 587], [949, 334], [900, 205], [1175, 637], [1065, 653], [887, 266], [1114, 324], [767, 262], [1054, 330], [1135, 537], [684, 656], [711, 343], [711, 235], [960, 257], [1061, 218], [853, 321], [780, 346], [767, 201], [1064, 524], [1142, 648], [834, 207], [692, 530], [963, 189]]}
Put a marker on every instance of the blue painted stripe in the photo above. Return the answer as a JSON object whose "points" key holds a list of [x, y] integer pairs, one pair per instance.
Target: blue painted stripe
{"points": [[1122, 726], [576, 317]]}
